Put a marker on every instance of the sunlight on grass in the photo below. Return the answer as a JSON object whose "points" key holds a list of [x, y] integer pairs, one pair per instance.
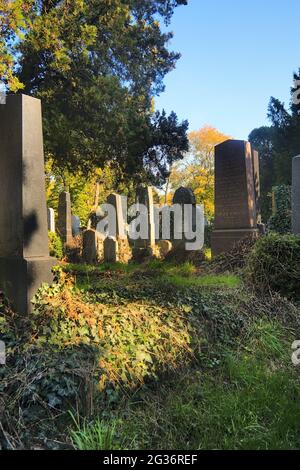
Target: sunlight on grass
{"points": [[250, 402], [208, 280]]}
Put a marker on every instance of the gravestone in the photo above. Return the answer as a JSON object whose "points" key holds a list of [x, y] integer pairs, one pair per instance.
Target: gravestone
{"points": [[51, 220], [75, 225], [123, 249], [92, 247], [296, 196], [64, 225], [183, 197], [144, 196], [111, 250], [116, 201], [235, 195], [24, 253]]}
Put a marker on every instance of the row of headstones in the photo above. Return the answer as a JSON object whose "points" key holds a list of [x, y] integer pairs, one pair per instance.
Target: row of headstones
{"points": [[97, 247]]}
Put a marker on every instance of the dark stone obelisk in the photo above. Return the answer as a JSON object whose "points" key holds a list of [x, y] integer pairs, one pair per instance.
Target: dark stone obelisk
{"points": [[236, 194], [24, 253]]}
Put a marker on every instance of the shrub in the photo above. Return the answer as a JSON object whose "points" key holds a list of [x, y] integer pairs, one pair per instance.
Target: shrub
{"points": [[55, 245], [274, 265], [281, 220]]}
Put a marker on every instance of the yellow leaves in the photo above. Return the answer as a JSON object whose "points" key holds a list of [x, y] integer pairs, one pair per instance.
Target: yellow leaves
{"points": [[88, 34]]}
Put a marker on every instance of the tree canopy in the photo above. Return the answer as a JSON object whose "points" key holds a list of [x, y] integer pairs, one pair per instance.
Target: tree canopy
{"points": [[97, 65], [277, 145]]}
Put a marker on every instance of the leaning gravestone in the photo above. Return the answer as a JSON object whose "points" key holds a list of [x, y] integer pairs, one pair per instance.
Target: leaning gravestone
{"points": [[24, 254], [64, 225], [51, 220], [296, 196], [235, 195]]}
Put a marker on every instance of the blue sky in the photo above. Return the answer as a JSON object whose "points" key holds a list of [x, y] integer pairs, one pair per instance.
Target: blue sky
{"points": [[236, 54]]}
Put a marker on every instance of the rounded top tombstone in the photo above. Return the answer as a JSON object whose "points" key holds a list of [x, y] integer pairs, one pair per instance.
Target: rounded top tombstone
{"points": [[184, 196]]}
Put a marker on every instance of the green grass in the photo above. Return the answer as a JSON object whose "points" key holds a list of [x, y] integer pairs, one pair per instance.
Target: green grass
{"points": [[222, 280], [250, 401], [95, 436], [182, 275]]}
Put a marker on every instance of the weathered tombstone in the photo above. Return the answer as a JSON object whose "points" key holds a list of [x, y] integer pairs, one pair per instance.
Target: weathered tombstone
{"points": [[75, 225], [64, 225], [51, 220], [144, 196], [235, 197], [116, 201], [111, 250], [24, 253], [92, 247], [123, 250], [296, 196], [183, 197]]}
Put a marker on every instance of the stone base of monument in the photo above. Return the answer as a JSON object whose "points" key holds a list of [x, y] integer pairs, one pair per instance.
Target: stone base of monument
{"points": [[21, 278], [223, 241]]}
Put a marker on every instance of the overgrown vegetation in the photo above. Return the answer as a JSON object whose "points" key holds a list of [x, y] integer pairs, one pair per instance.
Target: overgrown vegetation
{"points": [[113, 358], [274, 265], [281, 219], [55, 245]]}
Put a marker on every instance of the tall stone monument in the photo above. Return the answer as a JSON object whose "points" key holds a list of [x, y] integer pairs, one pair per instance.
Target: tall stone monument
{"points": [[117, 248], [144, 196], [64, 225], [235, 195], [296, 196], [24, 253]]}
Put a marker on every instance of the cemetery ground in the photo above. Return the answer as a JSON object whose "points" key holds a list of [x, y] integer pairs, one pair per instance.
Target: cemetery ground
{"points": [[153, 356]]}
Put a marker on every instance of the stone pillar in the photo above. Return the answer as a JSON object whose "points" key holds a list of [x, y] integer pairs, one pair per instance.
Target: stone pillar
{"points": [[24, 253], [51, 220], [122, 251], [116, 201], [64, 225], [296, 196], [235, 196], [144, 196]]}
